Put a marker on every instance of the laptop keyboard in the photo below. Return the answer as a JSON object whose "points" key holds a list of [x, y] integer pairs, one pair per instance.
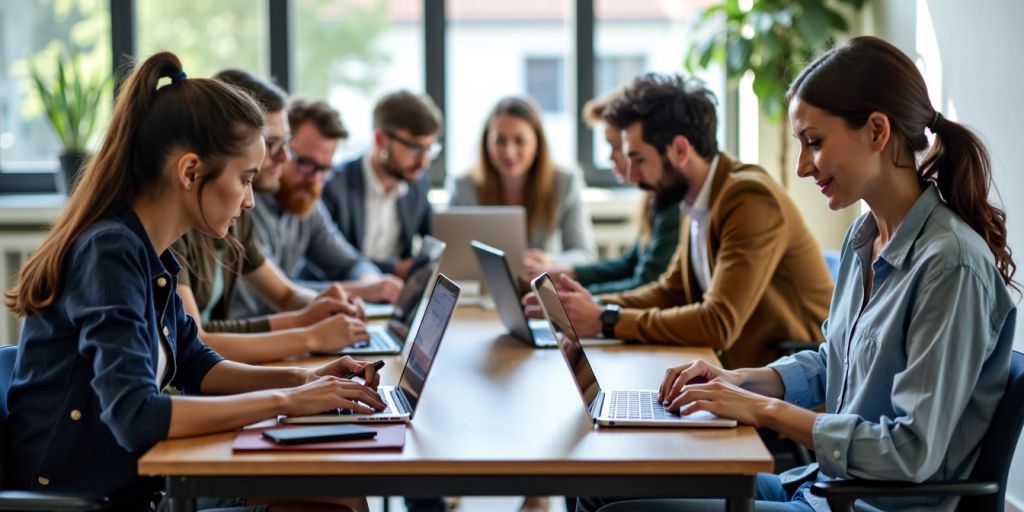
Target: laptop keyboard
{"points": [[345, 412], [379, 340], [638, 405]]}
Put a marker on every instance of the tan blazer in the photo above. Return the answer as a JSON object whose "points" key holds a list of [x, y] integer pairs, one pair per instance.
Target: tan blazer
{"points": [[769, 281]]}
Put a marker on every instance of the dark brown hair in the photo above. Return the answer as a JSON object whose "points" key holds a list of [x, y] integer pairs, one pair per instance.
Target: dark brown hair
{"points": [[403, 110], [541, 202], [204, 116], [867, 75], [666, 106], [268, 95], [325, 118]]}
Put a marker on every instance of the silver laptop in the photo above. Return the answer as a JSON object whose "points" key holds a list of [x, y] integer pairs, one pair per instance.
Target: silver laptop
{"points": [[626, 408], [503, 227], [505, 292], [401, 400], [390, 338]]}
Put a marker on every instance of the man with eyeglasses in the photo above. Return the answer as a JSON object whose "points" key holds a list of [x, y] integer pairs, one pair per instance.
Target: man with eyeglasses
{"points": [[379, 200], [292, 224]]}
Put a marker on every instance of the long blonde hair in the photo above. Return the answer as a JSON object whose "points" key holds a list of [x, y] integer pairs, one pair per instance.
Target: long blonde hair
{"points": [[541, 201], [209, 117]]}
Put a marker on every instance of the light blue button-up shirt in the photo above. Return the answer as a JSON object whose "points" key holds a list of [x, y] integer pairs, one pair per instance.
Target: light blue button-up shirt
{"points": [[910, 381]]}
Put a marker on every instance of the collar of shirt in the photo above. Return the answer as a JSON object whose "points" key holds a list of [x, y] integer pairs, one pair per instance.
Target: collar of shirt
{"points": [[374, 185], [895, 253], [166, 261], [699, 209]]}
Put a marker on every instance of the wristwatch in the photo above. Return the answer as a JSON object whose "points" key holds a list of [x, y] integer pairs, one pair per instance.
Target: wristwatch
{"points": [[610, 317]]}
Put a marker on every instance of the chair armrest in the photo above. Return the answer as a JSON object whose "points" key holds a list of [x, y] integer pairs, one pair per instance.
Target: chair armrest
{"points": [[789, 347], [846, 489], [24, 500]]}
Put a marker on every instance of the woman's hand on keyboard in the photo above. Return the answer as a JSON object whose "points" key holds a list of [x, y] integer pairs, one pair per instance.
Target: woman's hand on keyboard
{"points": [[694, 372], [329, 392], [343, 366], [336, 332]]}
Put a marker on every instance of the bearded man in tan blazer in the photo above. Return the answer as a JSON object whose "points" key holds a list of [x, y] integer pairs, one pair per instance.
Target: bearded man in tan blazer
{"points": [[747, 273]]}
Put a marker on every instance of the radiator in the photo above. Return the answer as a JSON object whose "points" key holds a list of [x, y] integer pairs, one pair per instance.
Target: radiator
{"points": [[15, 248]]}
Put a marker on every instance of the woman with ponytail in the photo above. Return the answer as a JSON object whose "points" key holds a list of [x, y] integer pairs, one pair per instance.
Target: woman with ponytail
{"points": [[105, 331], [920, 329]]}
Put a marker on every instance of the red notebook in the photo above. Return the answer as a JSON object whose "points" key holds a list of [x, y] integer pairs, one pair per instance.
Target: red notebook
{"points": [[390, 436]]}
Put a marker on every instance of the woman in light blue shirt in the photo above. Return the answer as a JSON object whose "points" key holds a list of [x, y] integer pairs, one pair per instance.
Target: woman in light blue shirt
{"points": [[921, 324]]}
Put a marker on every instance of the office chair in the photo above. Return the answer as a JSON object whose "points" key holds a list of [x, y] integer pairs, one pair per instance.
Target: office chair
{"points": [[985, 490], [25, 500], [801, 455]]}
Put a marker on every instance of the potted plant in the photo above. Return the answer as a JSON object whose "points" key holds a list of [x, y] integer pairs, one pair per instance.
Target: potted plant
{"points": [[71, 101], [773, 39]]}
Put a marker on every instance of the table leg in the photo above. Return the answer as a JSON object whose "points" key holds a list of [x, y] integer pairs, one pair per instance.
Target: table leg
{"points": [[739, 505]]}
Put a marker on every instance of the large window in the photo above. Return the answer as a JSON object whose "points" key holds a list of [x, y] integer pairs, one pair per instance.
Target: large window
{"points": [[206, 36], [500, 48], [640, 36], [36, 34], [467, 53], [351, 52]]}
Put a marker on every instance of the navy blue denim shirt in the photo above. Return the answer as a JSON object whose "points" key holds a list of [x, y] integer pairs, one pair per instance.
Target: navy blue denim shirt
{"points": [[85, 402]]}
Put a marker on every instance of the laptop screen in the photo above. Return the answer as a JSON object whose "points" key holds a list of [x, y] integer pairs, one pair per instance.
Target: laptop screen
{"points": [[428, 338], [424, 264], [503, 289], [568, 342]]}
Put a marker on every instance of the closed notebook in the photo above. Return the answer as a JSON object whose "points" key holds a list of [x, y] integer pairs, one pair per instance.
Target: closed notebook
{"points": [[389, 437]]}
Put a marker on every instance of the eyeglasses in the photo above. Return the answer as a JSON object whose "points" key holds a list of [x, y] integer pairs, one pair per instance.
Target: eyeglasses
{"points": [[306, 165], [276, 145], [432, 150]]}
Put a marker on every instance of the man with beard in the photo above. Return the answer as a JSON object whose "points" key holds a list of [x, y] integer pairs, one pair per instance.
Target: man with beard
{"points": [[747, 272], [379, 200], [292, 224]]}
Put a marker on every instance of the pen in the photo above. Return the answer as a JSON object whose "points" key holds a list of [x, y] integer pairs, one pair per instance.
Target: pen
{"points": [[377, 365]]}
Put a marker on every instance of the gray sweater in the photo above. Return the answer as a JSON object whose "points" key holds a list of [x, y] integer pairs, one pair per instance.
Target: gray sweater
{"points": [[291, 242], [571, 239]]}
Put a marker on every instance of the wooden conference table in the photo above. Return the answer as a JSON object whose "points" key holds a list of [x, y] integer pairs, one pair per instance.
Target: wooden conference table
{"points": [[497, 417]]}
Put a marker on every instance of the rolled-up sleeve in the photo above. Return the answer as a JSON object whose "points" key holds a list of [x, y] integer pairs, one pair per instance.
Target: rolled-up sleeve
{"points": [[116, 338], [804, 376], [949, 337]]}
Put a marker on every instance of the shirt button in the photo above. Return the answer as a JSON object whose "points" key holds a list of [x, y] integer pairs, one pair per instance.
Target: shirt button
{"points": [[76, 415], [167, 332], [161, 282], [43, 480], [837, 455]]}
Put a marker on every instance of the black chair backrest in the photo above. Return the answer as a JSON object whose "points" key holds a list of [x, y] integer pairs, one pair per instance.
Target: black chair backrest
{"points": [[8, 355], [1000, 441]]}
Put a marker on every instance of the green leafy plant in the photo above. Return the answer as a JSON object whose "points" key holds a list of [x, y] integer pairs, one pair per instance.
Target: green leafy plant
{"points": [[773, 39], [71, 100]]}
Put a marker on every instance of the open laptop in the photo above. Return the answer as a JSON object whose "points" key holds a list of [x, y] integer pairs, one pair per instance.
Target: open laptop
{"points": [[616, 408], [390, 338], [505, 291], [401, 400], [503, 227]]}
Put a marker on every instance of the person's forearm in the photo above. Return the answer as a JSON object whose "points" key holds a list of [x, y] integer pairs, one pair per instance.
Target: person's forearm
{"points": [[230, 377], [192, 416], [763, 381], [259, 348], [793, 421]]}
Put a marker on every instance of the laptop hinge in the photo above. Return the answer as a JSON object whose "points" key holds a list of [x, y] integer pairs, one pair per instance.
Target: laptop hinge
{"points": [[595, 406], [399, 394]]}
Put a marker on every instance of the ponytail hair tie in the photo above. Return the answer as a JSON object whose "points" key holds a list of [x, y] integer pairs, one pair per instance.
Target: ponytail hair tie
{"points": [[177, 77], [935, 121]]}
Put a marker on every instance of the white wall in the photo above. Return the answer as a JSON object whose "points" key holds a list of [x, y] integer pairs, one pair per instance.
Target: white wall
{"points": [[971, 57]]}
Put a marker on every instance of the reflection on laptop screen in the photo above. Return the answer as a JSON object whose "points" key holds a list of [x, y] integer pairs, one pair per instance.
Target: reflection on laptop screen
{"points": [[422, 269], [568, 342], [428, 338]]}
